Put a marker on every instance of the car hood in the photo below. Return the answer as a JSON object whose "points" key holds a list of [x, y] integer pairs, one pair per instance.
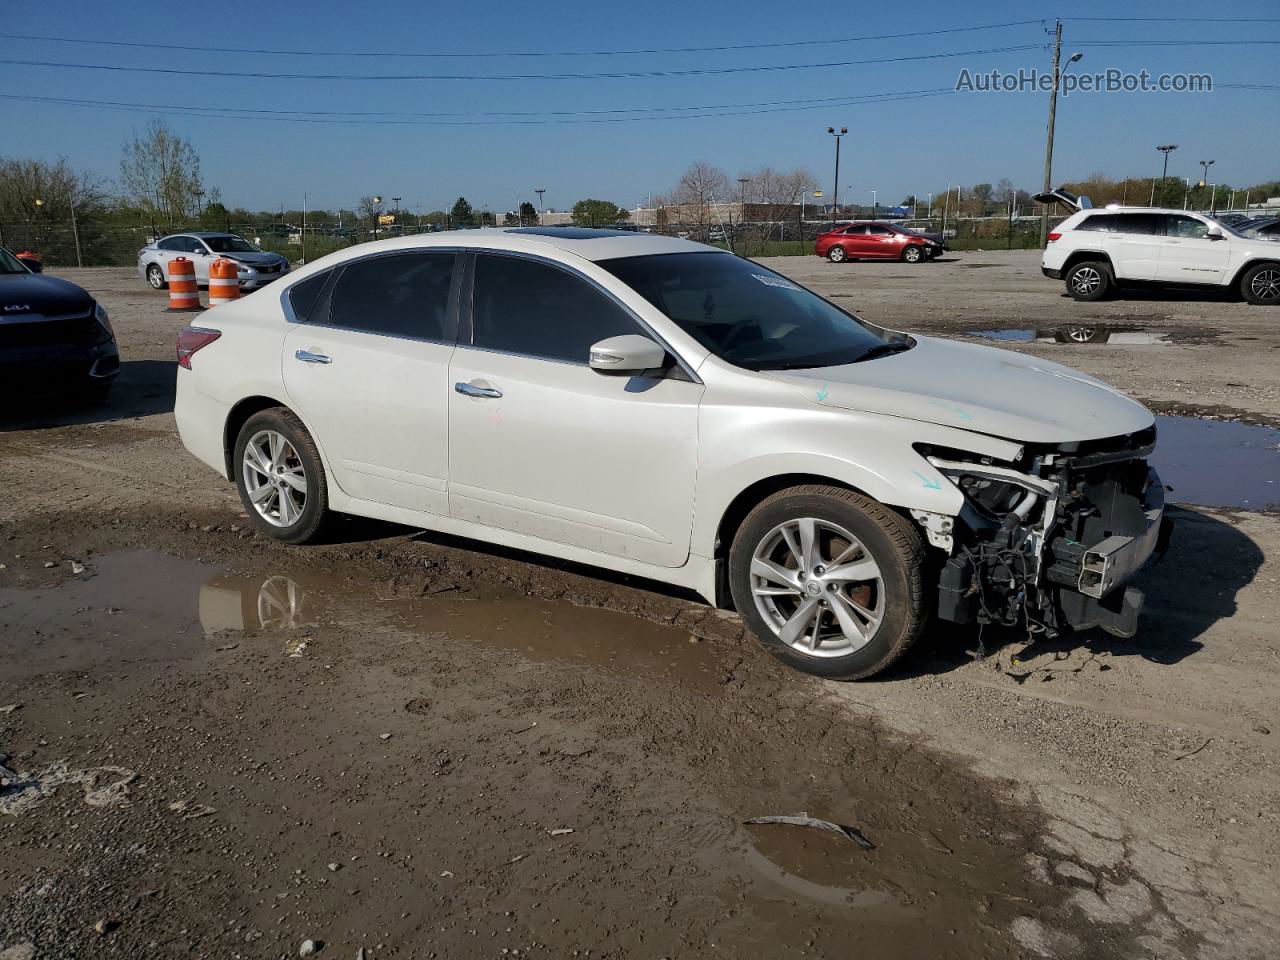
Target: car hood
{"points": [[27, 294], [259, 257], [983, 389]]}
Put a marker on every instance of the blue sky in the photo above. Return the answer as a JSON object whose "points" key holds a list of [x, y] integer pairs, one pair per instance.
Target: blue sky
{"points": [[894, 147]]}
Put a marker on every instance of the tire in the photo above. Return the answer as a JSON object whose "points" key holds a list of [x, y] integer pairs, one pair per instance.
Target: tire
{"points": [[887, 610], [912, 254], [1089, 280], [1260, 285], [836, 254], [300, 519], [155, 277]]}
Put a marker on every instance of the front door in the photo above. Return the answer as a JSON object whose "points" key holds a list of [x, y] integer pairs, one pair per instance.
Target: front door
{"points": [[541, 444], [882, 243], [1188, 255], [369, 371]]}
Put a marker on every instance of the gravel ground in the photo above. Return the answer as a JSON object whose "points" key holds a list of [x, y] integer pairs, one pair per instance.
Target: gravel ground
{"points": [[217, 746]]}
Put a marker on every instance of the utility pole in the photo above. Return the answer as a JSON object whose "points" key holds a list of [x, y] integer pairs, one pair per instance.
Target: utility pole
{"points": [[1053, 116], [303, 235], [75, 232], [541, 211], [835, 192], [1166, 149]]}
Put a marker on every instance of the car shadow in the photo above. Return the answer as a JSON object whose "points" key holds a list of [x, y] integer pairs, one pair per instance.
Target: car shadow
{"points": [[1208, 294], [1192, 587], [142, 388]]}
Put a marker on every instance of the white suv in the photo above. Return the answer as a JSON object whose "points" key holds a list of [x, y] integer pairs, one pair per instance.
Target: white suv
{"points": [[1097, 250]]}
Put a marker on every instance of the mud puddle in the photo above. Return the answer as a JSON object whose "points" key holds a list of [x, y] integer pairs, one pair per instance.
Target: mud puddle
{"points": [[1215, 463], [1109, 334], [144, 606], [654, 775]]}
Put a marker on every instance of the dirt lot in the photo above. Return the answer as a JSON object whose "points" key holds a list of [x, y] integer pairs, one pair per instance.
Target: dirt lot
{"points": [[416, 747]]}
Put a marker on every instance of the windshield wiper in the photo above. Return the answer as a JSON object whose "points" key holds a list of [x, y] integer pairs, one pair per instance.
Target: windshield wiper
{"points": [[883, 350]]}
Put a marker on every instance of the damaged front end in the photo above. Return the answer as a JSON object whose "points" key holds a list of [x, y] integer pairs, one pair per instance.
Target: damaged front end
{"points": [[1050, 540]]}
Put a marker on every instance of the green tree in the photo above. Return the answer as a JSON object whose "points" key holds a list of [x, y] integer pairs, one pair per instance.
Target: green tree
{"points": [[462, 214], [528, 214], [598, 213]]}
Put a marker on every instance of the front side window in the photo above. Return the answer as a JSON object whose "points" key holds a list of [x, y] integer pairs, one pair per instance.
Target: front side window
{"points": [[531, 308], [750, 316], [1189, 227], [230, 245], [402, 295], [879, 231], [1142, 224]]}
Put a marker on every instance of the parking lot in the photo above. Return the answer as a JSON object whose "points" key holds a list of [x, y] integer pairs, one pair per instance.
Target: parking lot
{"points": [[417, 746]]}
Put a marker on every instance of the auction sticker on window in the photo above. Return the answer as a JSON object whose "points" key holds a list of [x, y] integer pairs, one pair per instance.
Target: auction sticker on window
{"points": [[769, 281]]}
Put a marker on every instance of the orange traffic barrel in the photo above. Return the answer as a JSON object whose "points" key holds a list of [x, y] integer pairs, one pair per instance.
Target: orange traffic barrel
{"points": [[183, 294], [224, 281]]}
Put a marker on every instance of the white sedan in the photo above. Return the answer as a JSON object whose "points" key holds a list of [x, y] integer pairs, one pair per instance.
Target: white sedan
{"points": [[654, 406]]}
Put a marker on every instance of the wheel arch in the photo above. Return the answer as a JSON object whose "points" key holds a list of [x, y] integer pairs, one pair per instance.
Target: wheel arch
{"points": [[1249, 265], [1079, 256], [238, 416]]}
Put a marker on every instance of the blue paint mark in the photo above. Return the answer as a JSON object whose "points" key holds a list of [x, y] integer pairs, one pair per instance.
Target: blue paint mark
{"points": [[822, 394], [958, 411], [928, 484]]}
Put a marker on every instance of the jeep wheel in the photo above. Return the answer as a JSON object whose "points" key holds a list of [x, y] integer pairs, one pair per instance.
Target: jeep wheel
{"points": [[1260, 285], [1089, 280]]}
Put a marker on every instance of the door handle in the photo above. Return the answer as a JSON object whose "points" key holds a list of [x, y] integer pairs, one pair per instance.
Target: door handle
{"points": [[471, 390], [306, 356]]}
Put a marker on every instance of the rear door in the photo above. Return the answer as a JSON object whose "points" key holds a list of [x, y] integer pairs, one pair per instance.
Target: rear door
{"points": [[856, 242], [1134, 245], [368, 366], [1188, 255]]}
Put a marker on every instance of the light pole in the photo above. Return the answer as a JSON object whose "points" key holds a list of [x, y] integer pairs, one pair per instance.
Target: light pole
{"points": [[874, 205], [540, 191], [1053, 113], [39, 219], [835, 190], [1204, 177], [930, 217], [1213, 199], [1186, 196], [742, 208], [377, 210], [1166, 149]]}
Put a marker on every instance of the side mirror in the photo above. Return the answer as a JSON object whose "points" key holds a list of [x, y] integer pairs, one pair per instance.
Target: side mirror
{"points": [[626, 355], [1215, 235]]}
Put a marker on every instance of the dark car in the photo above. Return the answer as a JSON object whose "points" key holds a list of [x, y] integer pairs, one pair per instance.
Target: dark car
{"points": [[54, 337], [876, 240], [1264, 228]]}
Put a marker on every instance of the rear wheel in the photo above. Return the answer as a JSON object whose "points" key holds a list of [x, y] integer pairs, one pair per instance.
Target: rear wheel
{"points": [[155, 277], [837, 255], [829, 581], [280, 477], [912, 254], [1260, 285], [1089, 280]]}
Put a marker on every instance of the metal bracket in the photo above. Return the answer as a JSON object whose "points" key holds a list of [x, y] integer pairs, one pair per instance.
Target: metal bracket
{"points": [[938, 527]]}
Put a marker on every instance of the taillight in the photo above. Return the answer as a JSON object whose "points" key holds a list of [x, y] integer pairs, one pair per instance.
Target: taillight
{"points": [[1054, 236], [192, 339]]}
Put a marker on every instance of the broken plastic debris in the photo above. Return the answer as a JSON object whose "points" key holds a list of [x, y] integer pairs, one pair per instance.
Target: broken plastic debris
{"points": [[560, 832], [804, 820]]}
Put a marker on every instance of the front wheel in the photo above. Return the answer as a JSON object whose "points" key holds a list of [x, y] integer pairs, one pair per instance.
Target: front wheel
{"points": [[912, 254], [829, 581], [837, 255], [155, 277], [1260, 285], [280, 476]]}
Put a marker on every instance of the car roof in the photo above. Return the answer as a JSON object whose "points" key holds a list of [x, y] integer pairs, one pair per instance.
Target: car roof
{"points": [[590, 244], [1119, 209], [202, 234]]}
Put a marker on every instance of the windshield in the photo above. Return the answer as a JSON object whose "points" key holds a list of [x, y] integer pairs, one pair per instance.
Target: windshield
{"points": [[750, 316], [9, 263], [229, 245]]}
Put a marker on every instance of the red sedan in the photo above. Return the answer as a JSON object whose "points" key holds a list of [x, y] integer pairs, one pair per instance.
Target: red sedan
{"points": [[876, 240]]}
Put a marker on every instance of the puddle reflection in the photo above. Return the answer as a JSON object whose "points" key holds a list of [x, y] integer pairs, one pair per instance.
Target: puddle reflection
{"points": [[1116, 336]]}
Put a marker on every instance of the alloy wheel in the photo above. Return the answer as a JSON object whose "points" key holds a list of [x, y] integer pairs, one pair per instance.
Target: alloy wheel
{"points": [[1266, 285], [1085, 280], [817, 587], [155, 277], [274, 478]]}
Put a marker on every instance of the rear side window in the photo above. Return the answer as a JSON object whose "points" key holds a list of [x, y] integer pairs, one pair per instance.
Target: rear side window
{"points": [[1147, 224], [530, 308], [304, 294], [403, 295], [1099, 222], [174, 243]]}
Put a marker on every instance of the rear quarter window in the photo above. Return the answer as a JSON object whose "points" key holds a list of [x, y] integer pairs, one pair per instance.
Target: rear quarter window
{"points": [[304, 295], [1098, 222]]}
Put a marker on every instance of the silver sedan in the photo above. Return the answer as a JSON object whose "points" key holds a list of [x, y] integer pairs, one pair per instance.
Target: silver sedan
{"points": [[256, 267]]}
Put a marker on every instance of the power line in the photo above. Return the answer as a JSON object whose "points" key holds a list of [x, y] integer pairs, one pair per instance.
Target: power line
{"points": [[474, 113], [517, 53], [613, 75], [1177, 19], [1171, 43], [231, 114]]}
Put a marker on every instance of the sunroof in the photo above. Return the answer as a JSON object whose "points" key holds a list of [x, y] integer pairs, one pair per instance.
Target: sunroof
{"points": [[572, 233]]}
